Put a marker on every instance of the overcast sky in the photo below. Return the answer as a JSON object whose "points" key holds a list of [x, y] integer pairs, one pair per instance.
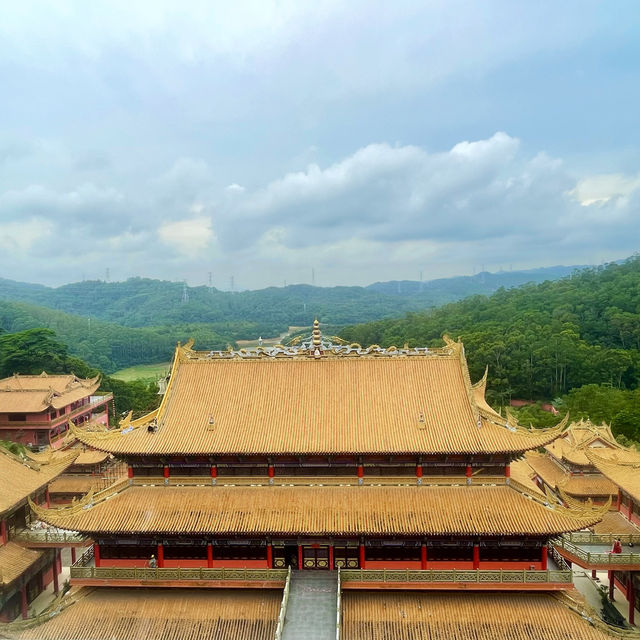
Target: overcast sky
{"points": [[366, 140]]}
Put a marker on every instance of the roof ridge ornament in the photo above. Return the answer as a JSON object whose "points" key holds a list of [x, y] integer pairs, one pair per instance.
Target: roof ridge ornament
{"points": [[315, 347]]}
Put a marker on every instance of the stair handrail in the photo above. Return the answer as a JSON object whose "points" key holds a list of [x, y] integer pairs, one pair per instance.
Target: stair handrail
{"points": [[339, 608], [283, 606]]}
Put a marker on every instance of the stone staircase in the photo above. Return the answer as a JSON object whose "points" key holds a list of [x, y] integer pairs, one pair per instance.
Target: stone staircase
{"points": [[311, 610]]}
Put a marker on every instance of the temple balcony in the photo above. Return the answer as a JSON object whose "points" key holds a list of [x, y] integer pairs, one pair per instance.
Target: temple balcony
{"points": [[85, 573], [557, 576], [594, 551]]}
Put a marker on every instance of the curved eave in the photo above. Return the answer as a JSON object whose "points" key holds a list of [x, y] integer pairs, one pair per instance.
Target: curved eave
{"points": [[169, 511]]}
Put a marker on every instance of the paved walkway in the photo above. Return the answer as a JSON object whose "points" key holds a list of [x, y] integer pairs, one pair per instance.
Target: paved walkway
{"points": [[311, 611], [590, 590]]}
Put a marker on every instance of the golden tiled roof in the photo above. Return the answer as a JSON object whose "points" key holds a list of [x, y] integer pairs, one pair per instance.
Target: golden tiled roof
{"points": [[461, 616], [90, 457], [348, 401], [556, 477], [163, 614], [623, 470], [33, 394], [593, 484], [331, 510], [15, 560], [75, 484], [614, 522], [579, 437], [522, 472], [20, 479], [549, 470]]}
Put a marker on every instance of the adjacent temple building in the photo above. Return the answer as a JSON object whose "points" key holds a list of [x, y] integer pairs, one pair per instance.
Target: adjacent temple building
{"points": [[260, 465], [36, 410]]}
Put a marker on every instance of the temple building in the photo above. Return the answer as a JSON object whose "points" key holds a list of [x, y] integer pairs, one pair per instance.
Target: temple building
{"points": [[381, 469], [565, 466], [36, 410], [24, 572], [318, 457]]}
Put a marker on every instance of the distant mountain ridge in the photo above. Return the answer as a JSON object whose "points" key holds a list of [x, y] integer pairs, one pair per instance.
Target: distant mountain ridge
{"points": [[142, 302]]}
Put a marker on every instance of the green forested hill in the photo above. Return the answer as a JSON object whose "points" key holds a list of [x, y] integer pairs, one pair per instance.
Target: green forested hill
{"points": [[109, 346], [141, 302], [540, 341]]}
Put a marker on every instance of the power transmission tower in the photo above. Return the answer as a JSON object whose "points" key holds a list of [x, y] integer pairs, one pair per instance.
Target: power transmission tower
{"points": [[185, 293], [210, 282]]}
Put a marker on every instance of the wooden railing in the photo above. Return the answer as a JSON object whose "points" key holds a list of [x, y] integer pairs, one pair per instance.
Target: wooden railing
{"points": [[587, 538], [222, 480], [132, 573], [483, 576], [46, 535], [597, 558]]}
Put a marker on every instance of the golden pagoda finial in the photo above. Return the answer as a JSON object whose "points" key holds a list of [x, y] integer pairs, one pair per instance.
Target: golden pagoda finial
{"points": [[316, 340], [317, 336]]}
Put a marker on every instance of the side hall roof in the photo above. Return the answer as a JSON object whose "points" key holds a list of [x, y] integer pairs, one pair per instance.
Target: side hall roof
{"points": [[21, 478], [15, 560], [34, 394], [556, 477], [328, 510], [623, 470], [464, 616], [159, 614], [347, 401], [582, 436]]}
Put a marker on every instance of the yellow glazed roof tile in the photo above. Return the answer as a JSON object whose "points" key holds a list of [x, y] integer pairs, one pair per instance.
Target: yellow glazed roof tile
{"points": [[372, 403], [406, 510]]}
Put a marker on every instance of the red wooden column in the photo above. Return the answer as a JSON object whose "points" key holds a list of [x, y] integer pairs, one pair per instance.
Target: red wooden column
{"points": [[594, 574], [543, 558], [423, 556], [269, 556], [54, 570], [47, 498], [631, 597], [360, 473], [166, 473], [476, 556], [362, 558], [210, 555], [330, 557], [160, 555], [271, 472], [419, 471], [468, 473], [507, 473], [611, 585], [214, 473], [300, 556], [130, 474], [96, 554], [3, 532], [618, 501], [73, 555], [24, 605], [630, 511]]}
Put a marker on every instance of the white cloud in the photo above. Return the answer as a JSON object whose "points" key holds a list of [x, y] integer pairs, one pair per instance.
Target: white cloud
{"points": [[17, 237], [599, 189], [187, 236]]}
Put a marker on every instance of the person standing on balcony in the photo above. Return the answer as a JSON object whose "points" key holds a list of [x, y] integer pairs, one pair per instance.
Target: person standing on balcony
{"points": [[152, 562]]}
